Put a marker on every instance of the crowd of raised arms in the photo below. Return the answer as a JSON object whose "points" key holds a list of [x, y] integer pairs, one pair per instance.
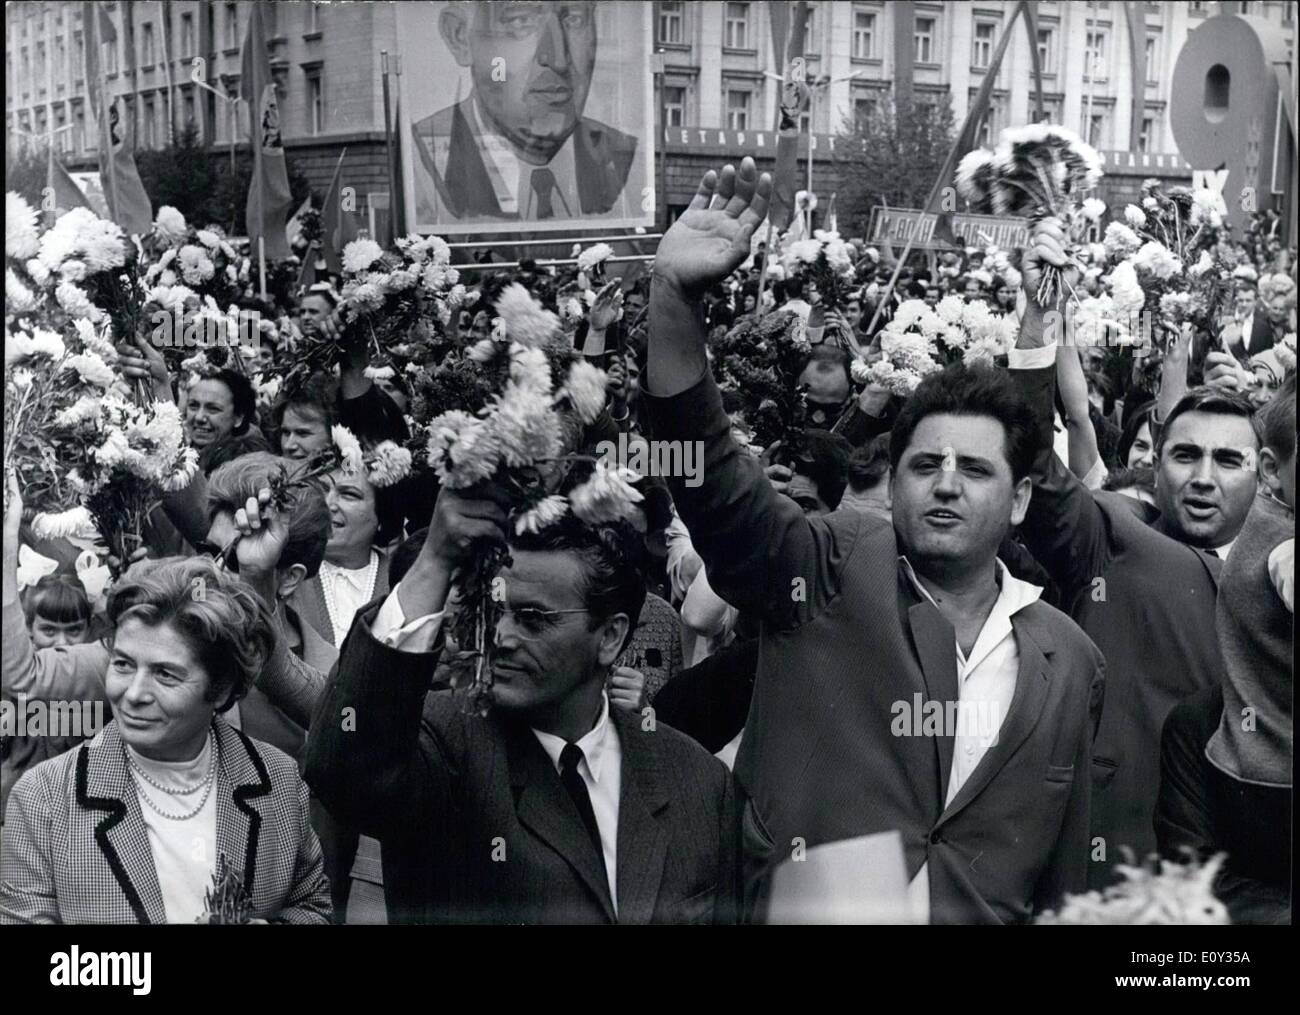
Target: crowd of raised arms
{"points": [[878, 551]]}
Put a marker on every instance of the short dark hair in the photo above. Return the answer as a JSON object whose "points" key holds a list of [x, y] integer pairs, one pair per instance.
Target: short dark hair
{"points": [[823, 457], [962, 390], [1277, 420], [58, 598], [230, 486], [613, 562], [1213, 401], [1141, 477], [869, 464], [319, 393], [242, 396], [229, 628], [829, 352], [793, 287], [1142, 414]]}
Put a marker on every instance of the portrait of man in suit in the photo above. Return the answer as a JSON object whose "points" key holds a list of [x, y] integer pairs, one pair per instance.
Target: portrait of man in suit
{"points": [[519, 146]]}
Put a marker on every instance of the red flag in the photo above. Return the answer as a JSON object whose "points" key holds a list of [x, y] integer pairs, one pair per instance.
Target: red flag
{"points": [[338, 220], [1137, 41], [269, 200], [62, 187]]}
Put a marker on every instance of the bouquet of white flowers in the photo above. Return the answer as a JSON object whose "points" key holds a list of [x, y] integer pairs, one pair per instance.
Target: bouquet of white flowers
{"points": [[1161, 893], [826, 261]]}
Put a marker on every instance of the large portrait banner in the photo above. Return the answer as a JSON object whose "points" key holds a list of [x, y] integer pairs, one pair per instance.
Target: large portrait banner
{"points": [[527, 117]]}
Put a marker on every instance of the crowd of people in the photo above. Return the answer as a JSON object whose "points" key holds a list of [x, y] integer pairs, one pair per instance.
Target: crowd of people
{"points": [[1089, 550]]}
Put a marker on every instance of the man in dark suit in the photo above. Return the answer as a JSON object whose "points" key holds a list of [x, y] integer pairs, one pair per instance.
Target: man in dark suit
{"points": [[1143, 590], [554, 808], [1252, 329], [518, 147], [867, 626]]}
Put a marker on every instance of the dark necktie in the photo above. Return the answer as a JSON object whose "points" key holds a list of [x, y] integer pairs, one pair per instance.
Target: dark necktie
{"points": [[543, 184], [577, 789]]}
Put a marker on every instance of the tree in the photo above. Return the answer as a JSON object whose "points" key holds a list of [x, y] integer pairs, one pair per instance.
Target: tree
{"points": [[891, 158], [25, 171]]}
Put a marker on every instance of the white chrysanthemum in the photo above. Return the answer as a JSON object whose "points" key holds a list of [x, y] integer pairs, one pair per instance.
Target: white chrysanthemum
{"points": [[61, 524], [896, 380], [1120, 240], [908, 315], [186, 468], [91, 369], [585, 390], [389, 464], [21, 237], [93, 341], [196, 267], [21, 378], [529, 368], [606, 496], [101, 244], [525, 425], [170, 297], [1203, 264], [75, 303], [1134, 216], [909, 351], [1245, 271], [170, 223], [1093, 209], [84, 409], [545, 513], [484, 350], [1125, 292], [967, 168], [596, 254], [20, 347], [525, 319], [400, 280], [462, 450], [1209, 207], [860, 371], [18, 298], [208, 238], [360, 255], [1157, 259], [37, 271], [366, 297], [348, 446], [1286, 352], [800, 252], [72, 270]]}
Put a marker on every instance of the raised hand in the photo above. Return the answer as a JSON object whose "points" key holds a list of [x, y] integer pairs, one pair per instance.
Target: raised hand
{"points": [[1047, 246], [608, 307], [263, 533], [712, 236]]}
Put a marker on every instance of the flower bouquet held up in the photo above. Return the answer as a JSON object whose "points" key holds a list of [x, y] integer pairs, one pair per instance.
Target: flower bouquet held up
{"points": [[1037, 171], [826, 261], [226, 902], [758, 363], [525, 444]]}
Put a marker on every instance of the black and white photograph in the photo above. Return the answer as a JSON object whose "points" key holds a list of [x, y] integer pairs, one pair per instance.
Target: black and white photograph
{"points": [[530, 463]]}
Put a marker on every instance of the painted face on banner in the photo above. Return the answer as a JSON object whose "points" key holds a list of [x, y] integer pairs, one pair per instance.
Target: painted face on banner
{"points": [[114, 122], [531, 64], [270, 120]]}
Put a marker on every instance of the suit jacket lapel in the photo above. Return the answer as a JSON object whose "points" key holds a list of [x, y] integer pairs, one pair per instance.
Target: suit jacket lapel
{"points": [[935, 642], [1032, 682], [543, 805], [241, 777], [105, 785], [642, 840]]}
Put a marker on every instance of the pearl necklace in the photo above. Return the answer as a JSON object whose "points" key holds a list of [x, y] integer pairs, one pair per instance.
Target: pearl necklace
{"points": [[327, 590], [209, 781]]}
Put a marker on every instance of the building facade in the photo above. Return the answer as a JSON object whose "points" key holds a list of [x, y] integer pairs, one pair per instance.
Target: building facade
{"points": [[716, 76]]}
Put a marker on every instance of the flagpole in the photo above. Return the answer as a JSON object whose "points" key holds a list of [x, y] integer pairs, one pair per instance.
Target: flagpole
{"points": [[261, 266], [105, 122], [388, 148]]}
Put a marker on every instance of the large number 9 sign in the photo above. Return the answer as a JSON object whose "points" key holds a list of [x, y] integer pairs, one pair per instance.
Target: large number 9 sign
{"points": [[1226, 112]]}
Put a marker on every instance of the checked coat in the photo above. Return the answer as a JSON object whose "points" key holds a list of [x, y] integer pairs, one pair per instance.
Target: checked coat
{"points": [[76, 849]]}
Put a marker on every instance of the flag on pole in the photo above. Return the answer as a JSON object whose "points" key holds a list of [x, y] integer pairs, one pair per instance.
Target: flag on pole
{"points": [[127, 201], [294, 225], [794, 96], [61, 187], [269, 199], [1135, 14], [338, 220], [399, 193]]}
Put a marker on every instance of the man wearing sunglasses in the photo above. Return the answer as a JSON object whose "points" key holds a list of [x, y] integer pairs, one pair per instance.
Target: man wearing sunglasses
{"points": [[555, 808]]}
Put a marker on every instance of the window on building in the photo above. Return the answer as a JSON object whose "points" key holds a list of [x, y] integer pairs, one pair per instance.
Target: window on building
{"points": [[150, 125], [924, 39], [79, 130], [78, 56], [864, 35], [864, 111], [146, 43], [1152, 56], [311, 19], [187, 36], [810, 39], [670, 25], [1197, 6], [805, 122], [60, 61], [1094, 128], [232, 26], [1094, 55], [40, 67], [1146, 139], [110, 57], [1051, 109], [27, 72], [189, 109], [674, 111], [62, 137], [981, 54], [315, 103], [737, 26], [738, 102], [1047, 50]]}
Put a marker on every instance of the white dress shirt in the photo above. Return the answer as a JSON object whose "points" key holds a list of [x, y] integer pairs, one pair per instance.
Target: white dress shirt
{"points": [[986, 682], [601, 767], [346, 590]]}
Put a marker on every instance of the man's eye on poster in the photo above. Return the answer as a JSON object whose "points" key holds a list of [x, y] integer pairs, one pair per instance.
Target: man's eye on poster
{"points": [[527, 113]]}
